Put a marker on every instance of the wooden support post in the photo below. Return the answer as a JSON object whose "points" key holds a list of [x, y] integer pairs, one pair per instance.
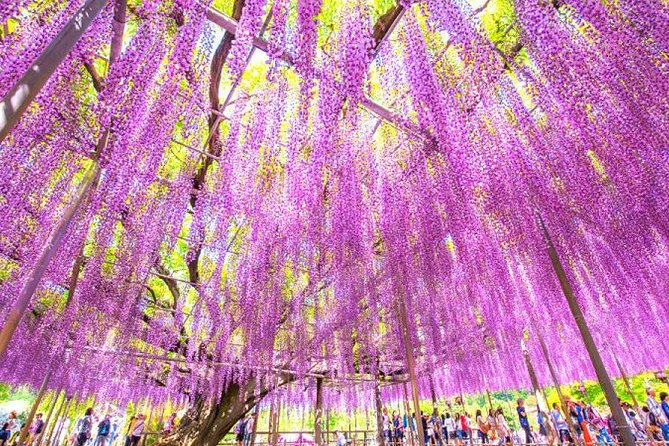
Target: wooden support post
{"points": [[408, 414], [596, 359], [118, 26], [149, 409], [327, 426], [49, 250], [64, 413], [433, 394], [277, 424], [355, 427], [52, 427], [487, 391], [270, 421], [47, 422], [33, 410], [627, 384], [17, 100], [411, 365], [318, 415], [252, 441], [380, 440]]}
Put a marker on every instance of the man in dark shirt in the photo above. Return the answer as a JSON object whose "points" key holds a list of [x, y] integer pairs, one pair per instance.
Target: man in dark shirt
{"points": [[524, 422]]}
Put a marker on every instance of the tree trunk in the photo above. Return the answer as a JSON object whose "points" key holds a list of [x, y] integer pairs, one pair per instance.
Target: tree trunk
{"points": [[207, 422]]}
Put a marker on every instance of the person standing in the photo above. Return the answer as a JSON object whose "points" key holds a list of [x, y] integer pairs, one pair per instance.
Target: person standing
{"points": [[137, 430], [656, 409], [386, 423], [483, 425], [664, 404], [503, 431], [341, 438], [12, 426], [35, 429], [524, 421], [84, 427], [250, 422], [449, 424], [541, 421], [5, 433], [598, 426], [128, 431], [169, 425], [398, 430], [561, 424], [104, 428], [582, 421]]}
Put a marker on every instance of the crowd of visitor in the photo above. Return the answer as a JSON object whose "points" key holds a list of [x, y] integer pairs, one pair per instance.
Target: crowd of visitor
{"points": [[574, 422], [88, 430]]}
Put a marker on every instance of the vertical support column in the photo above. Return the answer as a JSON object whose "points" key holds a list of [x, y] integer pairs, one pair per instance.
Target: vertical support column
{"points": [[411, 365], [327, 426], [318, 416], [33, 410], [487, 391], [595, 357], [270, 421], [149, 409], [52, 427], [64, 413], [118, 26], [627, 384], [408, 414], [47, 422], [380, 440], [50, 249], [255, 426], [433, 394], [277, 418], [17, 100]]}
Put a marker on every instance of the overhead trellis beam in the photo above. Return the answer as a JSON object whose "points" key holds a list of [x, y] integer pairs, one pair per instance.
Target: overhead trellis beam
{"points": [[230, 26]]}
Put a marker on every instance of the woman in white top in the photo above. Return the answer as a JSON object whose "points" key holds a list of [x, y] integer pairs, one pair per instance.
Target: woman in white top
{"points": [[137, 430], [450, 428], [502, 428]]}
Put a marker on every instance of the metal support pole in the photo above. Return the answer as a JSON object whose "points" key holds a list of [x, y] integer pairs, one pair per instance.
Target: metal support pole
{"points": [[318, 416], [596, 359], [411, 365], [17, 100]]}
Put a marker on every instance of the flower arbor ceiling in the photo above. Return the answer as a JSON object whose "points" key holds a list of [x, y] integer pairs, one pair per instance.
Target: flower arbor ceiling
{"points": [[350, 155]]}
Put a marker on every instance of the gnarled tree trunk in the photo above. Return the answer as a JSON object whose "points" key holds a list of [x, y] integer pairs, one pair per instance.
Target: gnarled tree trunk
{"points": [[207, 422]]}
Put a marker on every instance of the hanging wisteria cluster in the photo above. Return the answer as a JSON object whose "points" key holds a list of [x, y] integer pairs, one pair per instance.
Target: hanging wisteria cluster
{"points": [[292, 249]]}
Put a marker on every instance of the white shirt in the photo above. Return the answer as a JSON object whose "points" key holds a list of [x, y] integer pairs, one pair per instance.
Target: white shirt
{"points": [[656, 410], [138, 429], [450, 425]]}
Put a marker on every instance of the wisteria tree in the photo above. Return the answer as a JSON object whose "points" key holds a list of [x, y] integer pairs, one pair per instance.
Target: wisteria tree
{"points": [[209, 201]]}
